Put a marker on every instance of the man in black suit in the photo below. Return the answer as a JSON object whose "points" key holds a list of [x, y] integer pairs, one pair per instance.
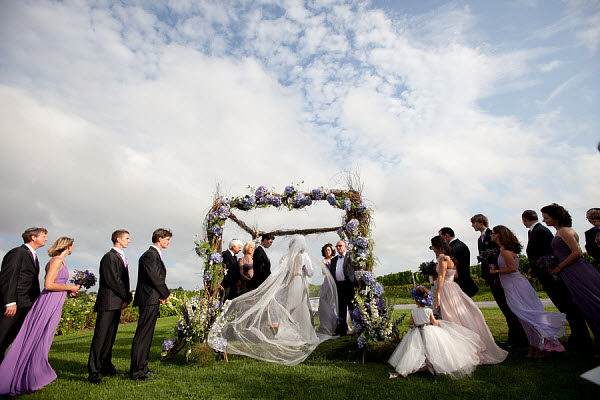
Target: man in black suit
{"points": [[113, 296], [262, 264], [592, 236], [151, 291], [516, 334], [232, 277], [19, 285], [463, 256], [540, 245], [342, 270]]}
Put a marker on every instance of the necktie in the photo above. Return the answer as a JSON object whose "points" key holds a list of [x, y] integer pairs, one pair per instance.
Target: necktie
{"points": [[35, 260]]}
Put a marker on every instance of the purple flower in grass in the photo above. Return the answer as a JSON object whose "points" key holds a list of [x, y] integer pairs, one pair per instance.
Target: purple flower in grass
{"points": [[168, 344]]}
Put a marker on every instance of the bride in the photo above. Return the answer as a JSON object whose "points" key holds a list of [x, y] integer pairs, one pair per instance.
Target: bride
{"points": [[275, 321]]}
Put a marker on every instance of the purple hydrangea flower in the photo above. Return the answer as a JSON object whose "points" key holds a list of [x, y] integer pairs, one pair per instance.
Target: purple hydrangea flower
{"points": [[211, 216], [361, 242], [216, 230], [357, 315], [225, 201], [340, 231], [197, 249], [346, 205], [289, 190], [366, 276], [168, 344], [352, 226], [207, 277], [362, 208], [361, 342], [263, 200], [180, 325], [276, 201], [249, 202], [223, 212], [318, 193], [302, 200], [216, 257], [378, 289], [261, 191], [331, 199]]}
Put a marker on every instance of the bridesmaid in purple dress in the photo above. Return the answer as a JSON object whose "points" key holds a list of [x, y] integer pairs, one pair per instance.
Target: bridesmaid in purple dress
{"points": [[543, 328], [580, 276], [25, 368]]}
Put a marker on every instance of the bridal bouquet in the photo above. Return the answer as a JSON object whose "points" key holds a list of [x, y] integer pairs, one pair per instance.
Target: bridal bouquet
{"points": [[489, 256], [83, 278], [546, 263]]}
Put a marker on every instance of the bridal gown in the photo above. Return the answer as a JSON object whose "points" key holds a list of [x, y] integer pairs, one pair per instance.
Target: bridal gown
{"points": [[457, 307]]}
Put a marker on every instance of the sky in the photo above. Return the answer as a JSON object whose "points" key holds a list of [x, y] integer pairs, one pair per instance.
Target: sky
{"points": [[133, 115]]}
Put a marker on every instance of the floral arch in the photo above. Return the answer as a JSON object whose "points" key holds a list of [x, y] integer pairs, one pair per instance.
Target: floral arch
{"points": [[355, 229]]}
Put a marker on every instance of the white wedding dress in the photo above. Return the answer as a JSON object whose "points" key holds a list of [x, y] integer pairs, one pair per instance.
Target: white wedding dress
{"points": [[275, 321]]}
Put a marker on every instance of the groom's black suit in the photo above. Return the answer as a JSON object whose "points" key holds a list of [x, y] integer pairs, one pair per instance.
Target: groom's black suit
{"points": [[539, 245], [232, 277], [112, 294], [463, 268], [18, 284], [262, 267], [345, 289], [150, 289], [516, 334]]}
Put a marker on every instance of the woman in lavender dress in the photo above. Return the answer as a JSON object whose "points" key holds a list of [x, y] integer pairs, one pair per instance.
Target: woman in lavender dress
{"points": [[25, 368], [580, 276], [543, 328]]}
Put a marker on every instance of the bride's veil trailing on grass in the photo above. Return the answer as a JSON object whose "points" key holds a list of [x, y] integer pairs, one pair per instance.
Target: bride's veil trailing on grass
{"points": [[275, 322]]}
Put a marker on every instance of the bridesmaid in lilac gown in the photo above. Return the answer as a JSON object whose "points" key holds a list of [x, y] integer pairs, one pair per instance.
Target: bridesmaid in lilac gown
{"points": [[25, 368], [580, 276], [543, 328]]}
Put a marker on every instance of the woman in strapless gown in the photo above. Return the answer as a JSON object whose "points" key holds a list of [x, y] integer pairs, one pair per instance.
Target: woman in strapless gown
{"points": [[579, 275], [328, 318], [457, 307], [543, 328], [25, 368], [246, 267]]}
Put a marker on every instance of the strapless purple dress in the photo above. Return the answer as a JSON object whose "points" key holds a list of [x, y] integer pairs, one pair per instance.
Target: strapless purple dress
{"points": [[25, 368], [583, 281]]}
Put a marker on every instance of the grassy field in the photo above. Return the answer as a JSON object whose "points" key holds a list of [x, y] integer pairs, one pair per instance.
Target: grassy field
{"points": [[333, 371]]}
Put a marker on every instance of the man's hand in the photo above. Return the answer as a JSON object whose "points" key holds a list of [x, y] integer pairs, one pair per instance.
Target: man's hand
{"points": [[10, 311]]}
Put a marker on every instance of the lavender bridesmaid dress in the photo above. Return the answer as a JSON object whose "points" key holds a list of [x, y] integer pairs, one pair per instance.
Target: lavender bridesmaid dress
{"points": [[25, 368], [583, 281], [543, 328]]}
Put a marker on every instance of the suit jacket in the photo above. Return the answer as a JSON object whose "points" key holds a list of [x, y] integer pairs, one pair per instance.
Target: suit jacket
{"points": [[487, 244], [114, 283], [19, 278], [233, 270], [349, 268], [590, 244], [262, 267], [151, 279], [463, 256], [539, 245]]}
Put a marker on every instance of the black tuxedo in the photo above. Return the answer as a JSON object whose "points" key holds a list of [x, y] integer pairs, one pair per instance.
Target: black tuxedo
{"points": [[112, 294], [463, 268], [539, 245], [591, 246], [150, 289], [516, 334], [262, 267], [18, 284], [232, 277], [345, 289]]}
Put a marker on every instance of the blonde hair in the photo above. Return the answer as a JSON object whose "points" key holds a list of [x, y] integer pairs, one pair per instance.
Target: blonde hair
{"points": [[59, 246], [247, 245]]}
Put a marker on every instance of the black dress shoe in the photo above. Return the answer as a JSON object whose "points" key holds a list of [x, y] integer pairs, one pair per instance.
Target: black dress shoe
{"points": [[144, 378], [111, 373], [95, 381]]}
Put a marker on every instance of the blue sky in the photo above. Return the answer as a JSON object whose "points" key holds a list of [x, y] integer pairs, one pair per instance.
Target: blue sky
{"points": [[128, 114]]}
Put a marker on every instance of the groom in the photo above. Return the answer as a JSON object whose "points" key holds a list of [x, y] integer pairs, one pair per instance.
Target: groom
{"points": [[19, 285], [151, 291], [262, 264], [113, 296], [342, 270]]}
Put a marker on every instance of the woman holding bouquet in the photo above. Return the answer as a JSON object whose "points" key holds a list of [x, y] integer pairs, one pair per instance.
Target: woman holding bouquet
{"points": [[580, 276], [25, 368], [543, 329], [457, 307]]}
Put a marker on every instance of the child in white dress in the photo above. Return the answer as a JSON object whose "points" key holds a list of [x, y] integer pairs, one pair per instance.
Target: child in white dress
{"points": [[442, 347]]}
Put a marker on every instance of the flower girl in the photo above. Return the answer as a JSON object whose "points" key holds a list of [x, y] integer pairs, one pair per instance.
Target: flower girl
{"points": [[442, 347]]}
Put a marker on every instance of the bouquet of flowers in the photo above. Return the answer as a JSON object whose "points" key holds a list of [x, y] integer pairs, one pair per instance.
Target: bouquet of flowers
{"points": [[428, 268], [489, 256], [84, 278], [546, 263]]}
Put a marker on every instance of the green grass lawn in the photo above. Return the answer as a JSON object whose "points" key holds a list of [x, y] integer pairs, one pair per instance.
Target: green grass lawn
{"points": [[333, 371]]}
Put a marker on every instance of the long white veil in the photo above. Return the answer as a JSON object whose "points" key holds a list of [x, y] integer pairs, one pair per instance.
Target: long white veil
{"points": [[275, 322]]}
